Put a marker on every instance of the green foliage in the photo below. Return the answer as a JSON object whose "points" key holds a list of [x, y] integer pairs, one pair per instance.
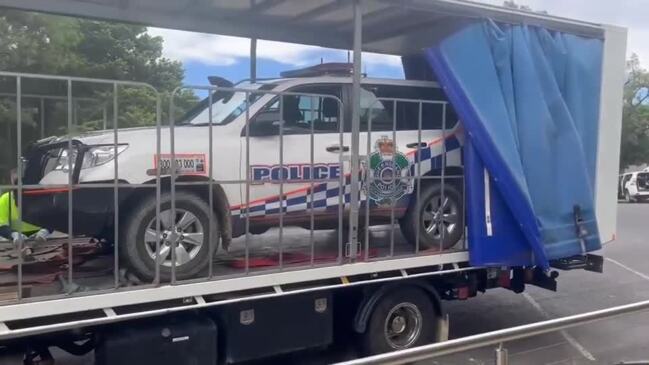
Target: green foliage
{"points": [[635, 122], [55, 45]]}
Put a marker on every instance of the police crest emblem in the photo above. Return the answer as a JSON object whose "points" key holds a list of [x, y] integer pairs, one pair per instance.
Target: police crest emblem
{"points": [[386, 173]]}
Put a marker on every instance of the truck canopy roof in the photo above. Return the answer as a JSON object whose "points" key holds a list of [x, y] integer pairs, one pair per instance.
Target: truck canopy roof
{"points": [[389, 27]]}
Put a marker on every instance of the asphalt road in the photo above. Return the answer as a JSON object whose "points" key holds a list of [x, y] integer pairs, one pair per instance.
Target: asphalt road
{"points": [[625, 280]]}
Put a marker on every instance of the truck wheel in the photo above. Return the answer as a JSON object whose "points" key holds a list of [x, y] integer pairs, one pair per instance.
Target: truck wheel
{"points": [[627, 197], [402, 319], [188, 228], [441, 224]]}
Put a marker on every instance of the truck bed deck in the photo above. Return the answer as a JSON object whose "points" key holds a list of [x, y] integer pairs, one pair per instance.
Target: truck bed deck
{"points": [[50, 301]]}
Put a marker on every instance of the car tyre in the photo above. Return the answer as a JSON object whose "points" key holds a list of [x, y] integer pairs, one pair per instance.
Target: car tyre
{"points": [[137, 246], [401, 319], [627, 197], [422, 217]]}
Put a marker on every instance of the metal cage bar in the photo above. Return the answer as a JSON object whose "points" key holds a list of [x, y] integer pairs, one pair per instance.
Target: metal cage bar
{"points": [[345, 201]]}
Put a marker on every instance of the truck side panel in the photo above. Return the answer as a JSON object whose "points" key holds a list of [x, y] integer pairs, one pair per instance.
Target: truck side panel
{"points": [[608, 152]]}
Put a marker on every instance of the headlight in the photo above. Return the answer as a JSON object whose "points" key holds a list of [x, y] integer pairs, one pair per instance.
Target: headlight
{"points": [[94, 156]]}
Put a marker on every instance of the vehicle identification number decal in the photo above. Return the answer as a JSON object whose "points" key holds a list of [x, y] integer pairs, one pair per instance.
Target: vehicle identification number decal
{"points": [[186, 164]]}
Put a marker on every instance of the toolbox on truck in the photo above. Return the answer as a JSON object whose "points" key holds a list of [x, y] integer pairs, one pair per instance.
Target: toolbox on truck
{"points": [[172, 340], [278, 325]]}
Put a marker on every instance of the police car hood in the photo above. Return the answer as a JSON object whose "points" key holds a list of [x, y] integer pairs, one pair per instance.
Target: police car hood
{"points": [[125, 135]]}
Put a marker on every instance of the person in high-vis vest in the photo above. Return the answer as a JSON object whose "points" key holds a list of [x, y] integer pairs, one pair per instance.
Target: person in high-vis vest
{"points": [[11, 227]]}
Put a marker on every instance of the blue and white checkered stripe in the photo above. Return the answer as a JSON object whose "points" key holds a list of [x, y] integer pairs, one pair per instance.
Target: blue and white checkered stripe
{"points": [[325, 195]]}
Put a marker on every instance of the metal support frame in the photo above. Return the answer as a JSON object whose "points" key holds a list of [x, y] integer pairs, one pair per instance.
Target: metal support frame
{"points": [[253, 60], [356, 122], [501, 355]]}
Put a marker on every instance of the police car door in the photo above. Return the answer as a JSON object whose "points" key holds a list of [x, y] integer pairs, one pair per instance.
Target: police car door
{"points": [[302, 166], [390, 119]]}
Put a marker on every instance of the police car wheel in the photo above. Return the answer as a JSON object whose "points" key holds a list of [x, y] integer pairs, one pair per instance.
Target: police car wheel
{"points": [[440, 221], [186, 234]]}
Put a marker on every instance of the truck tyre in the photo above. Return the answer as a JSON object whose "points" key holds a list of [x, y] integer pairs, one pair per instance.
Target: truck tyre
{"points": [[401, 319], [627, 197], [440, 225], [189, 229]]}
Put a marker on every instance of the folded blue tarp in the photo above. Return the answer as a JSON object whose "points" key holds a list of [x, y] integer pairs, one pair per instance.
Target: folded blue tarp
{"points": [[529, 101]]}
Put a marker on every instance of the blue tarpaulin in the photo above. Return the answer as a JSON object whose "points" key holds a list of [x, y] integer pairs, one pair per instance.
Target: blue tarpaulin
{"points": [[529, 101]]}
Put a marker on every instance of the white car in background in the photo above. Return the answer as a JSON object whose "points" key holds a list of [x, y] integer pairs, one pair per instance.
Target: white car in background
{"points": [[634, 186], [394, 144]]}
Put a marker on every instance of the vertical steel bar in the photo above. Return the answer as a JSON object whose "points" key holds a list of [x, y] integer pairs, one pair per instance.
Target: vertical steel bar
{"points": [[210, 193], [394, 177], [312, 160], [70, 198], [248, 177], [172, 188], [368, 180], [418, 178], [281, 181], [75, 112], [501, 355], [442, 208], [115, 189], [41, 113], [253, 60], [341, 189], [158, 187], [19, 172], [104, 122], [356, 119]]}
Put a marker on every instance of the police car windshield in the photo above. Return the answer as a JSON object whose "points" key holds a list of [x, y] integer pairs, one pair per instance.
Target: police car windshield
{"points": [[226, 105]]}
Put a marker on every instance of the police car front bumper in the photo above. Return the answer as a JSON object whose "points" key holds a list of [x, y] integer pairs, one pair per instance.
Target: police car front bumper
{"points": [[92, 209]]}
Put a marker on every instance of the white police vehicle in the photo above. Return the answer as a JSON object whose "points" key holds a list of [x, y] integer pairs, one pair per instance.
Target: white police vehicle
{"points": [[311, 179], [634, 186]]}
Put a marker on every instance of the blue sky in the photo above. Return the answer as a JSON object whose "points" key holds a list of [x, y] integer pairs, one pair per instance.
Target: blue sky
{"points": [[206, 54], [196, 72]]}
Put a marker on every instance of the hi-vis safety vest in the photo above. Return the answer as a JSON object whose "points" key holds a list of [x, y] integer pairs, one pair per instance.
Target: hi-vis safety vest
{"points": [[9, 215]]}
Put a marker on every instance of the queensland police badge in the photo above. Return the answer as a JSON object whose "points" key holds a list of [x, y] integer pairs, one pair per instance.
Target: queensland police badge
{"points": [[387, 173]]}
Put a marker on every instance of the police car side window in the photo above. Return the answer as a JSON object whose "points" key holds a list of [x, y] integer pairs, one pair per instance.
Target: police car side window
{"points": [[382, 104], [376, 114], [302, 113]]}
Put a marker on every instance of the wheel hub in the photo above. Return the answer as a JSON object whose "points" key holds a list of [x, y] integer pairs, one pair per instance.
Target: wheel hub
{"points": [[398, 324], [439, 217], [183, 234], [403, 325]]}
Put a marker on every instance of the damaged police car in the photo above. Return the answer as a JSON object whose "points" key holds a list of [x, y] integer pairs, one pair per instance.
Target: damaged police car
{"points": [[296, 146]]}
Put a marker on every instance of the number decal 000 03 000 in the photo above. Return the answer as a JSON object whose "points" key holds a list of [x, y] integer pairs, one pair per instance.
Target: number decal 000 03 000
{"points": [[186, 164]]}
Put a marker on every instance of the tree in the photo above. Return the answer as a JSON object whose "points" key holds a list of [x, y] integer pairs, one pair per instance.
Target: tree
{"points": [[635, 121], [56, 45]]}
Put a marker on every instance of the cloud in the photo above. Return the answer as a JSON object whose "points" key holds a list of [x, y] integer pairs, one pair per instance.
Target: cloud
{"points": [[217, 50]]}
